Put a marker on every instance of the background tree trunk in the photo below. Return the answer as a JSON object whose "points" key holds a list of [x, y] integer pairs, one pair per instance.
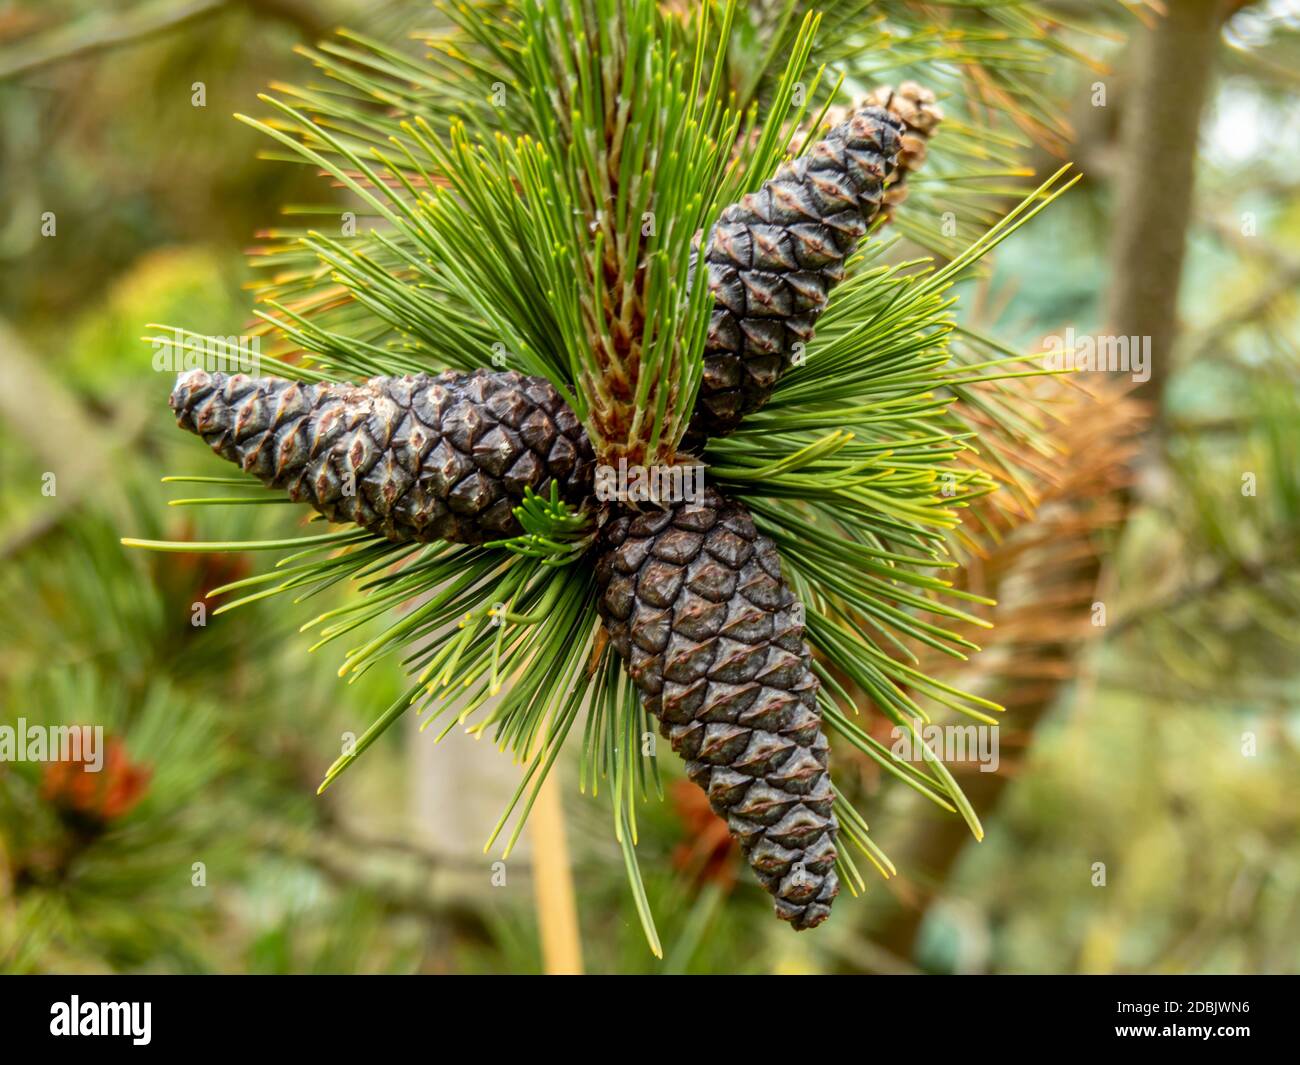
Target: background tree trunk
{"points": [[1170, 74]]}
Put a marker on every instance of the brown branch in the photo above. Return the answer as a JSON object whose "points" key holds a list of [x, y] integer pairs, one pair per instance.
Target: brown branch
{"points": [[1155, 184], [390, 895], [101, 32], [1239, 573]]}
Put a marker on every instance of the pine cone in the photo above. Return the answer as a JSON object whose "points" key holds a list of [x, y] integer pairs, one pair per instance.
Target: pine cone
{"points": [[410, 458], [694, 602], [774, 257]]}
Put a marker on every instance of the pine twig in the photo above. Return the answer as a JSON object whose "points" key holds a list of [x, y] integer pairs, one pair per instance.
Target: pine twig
{"points": [[100, 33]]}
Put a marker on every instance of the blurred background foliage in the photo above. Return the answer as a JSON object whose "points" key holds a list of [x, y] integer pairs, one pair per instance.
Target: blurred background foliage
{"points": [[1164, 744]]}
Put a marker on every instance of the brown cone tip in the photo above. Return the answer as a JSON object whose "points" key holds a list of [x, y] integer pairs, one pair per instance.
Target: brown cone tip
{"points": [[915, 109]]}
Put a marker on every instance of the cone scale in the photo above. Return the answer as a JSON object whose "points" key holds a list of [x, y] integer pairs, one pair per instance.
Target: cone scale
{"points": [[913, 107]]}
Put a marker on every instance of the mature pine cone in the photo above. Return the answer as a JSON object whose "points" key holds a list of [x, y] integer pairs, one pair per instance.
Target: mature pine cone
{"points": [[430, 458], [774, 257], [694, 602]]}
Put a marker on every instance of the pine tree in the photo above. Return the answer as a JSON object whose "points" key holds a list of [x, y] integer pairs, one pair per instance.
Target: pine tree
{"points": [[538, 195]]}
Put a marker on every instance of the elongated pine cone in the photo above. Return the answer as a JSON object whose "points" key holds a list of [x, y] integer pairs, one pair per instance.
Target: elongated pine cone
{"points": [[774, 257], [694, 601], [421, 457]]}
